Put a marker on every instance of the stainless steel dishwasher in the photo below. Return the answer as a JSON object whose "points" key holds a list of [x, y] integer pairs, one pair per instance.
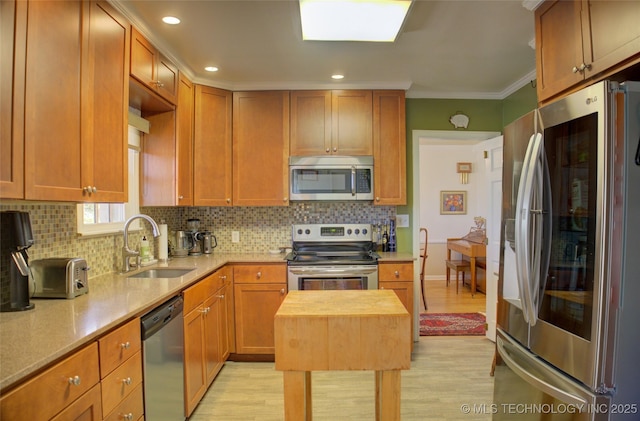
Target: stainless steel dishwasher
{"points": [[163, 362]]}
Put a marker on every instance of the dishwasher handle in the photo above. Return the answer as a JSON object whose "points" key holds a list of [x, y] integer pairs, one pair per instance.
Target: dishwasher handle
{"points": [[159, 317]]}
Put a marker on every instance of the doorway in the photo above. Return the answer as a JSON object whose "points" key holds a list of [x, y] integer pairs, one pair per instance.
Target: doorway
{"points": [[448, 148]]}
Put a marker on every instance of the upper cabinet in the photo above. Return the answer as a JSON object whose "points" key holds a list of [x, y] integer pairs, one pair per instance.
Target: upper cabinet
{"points": [[389, 148], [184, 142], [75, 102], [13, 40], [331, 122], [583, 40], [260, 148], [152, 68], [212, 147]]}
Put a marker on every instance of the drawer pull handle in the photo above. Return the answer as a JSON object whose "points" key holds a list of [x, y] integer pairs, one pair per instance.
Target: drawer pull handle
{"points": [[223, 277], [74, 381], [127, 417], [397, 274], [221, 296], [127, 381], [125, 345]]}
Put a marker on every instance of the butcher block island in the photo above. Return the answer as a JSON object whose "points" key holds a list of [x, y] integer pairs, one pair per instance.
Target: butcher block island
{"points": [[342, 330]]}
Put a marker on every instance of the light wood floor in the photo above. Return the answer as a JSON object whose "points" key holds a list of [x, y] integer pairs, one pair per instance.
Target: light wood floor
{"points": [[446, 373], [443, 299]]}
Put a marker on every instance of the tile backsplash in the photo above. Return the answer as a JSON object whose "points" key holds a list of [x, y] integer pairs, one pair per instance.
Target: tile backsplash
{"points": [[260, 228]]}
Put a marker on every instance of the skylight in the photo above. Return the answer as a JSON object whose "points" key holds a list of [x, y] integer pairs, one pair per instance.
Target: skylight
{"points": [[352, 20]]}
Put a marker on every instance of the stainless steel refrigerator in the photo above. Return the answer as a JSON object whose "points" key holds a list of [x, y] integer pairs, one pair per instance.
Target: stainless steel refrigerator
{"points": [[568, 337]]}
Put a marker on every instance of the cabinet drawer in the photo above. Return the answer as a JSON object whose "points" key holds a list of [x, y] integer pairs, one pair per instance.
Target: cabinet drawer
{"points": [[260, 274], [132, 407], [196, 294], [54, 389], [121, 382], [87, 407], [395, 272], [118, 346]]}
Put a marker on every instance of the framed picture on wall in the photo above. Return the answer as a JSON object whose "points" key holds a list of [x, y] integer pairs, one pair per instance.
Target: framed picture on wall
{"points": [[453, 202]]}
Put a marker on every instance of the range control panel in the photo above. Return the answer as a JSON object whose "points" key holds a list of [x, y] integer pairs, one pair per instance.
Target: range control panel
{"points": [[332, 232]]}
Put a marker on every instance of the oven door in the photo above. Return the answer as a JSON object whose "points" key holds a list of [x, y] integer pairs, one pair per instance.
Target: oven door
{"points": [[339, 277]]}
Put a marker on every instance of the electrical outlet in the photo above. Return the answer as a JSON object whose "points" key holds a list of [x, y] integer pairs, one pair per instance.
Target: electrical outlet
{"points": [[235, 236], [402, 221]]}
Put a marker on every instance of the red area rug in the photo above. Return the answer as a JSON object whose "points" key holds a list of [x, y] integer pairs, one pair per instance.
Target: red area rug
{"points": [[452, 324]]}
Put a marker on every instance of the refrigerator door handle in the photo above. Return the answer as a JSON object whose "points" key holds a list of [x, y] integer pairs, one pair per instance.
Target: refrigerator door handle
{"points": [[546, 380], [523, 237]]}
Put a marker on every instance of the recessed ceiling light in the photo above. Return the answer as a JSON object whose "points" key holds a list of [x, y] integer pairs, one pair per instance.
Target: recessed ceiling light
{"points": [[352, 20], [337, 77], [171, 20], [211, 69]]}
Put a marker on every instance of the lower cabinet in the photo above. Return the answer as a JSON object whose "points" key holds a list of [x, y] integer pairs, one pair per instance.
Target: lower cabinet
{"points": [[206, 345], [56, 389], [399, 278], [258, 292]]}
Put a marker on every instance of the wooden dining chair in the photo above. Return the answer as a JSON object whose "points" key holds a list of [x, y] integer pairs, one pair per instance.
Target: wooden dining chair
{"points": [[424, 235]]}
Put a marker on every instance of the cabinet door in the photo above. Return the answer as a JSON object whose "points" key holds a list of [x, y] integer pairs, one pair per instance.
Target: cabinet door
{"points": [[194, 373], [260, 148], [13, 26], [212, 147], [211, 329], [167, 78], [389, 148], [612, 33], [351, 119], [158, 166], [105, 90], [53, 147], [255, 307], [85, 408], [184, 142], [558, 47], [143, 59], [310, 123], [226, 306]]}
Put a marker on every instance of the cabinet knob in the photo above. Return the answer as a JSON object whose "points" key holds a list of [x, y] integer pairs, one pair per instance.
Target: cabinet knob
{"points": [[180, 197], [125, 345], [158, 84], [328, 150], [397, 274], [575, 69], [127, 417], [259, 275], [584, 67], [282, 291], [335, 149], [221, 296], [74, 381], [228, 200], [90, 189], [223, 277], [127, 381], [284, 200], [377, 198]]}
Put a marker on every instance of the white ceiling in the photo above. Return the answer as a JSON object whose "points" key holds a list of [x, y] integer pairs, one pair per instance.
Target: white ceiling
{"points": [[446, 49]]}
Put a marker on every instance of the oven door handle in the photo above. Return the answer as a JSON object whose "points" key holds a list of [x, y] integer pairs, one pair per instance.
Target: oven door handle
{"points": [[332, 271], [353, 181]]}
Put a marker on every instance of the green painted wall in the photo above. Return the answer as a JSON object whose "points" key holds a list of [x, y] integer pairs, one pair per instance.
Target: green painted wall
{"points": [[433, 114]]}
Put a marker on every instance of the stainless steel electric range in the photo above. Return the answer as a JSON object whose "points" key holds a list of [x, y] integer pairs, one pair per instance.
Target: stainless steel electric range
{"points": [[332, 257]]}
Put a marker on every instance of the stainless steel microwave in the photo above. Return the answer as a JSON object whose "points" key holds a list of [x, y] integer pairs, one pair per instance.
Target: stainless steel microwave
{"points": [[339, 178]]}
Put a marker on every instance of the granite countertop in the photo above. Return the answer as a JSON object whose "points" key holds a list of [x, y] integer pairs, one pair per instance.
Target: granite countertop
{"points": [[31, 340]]}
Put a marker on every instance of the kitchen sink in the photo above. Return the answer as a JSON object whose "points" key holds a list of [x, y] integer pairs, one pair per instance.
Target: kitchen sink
{"points": [[161, 273]]}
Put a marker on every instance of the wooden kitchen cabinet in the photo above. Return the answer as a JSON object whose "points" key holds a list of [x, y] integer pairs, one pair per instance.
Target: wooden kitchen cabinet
{"points": [[389, 148], [120, 368], [56, 389], [260, 148], [205, 335], [75, 144], [184, 142], [398, 277], [331, 123], [583, 40], [158, 161], [13, 15], [212, 147], [152, 68], [258, 292]]}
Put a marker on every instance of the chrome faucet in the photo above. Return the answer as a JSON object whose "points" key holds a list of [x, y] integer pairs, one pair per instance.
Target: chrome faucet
{"points": [[127, 253]]}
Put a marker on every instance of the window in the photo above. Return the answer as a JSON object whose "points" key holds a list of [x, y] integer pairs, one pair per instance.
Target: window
{"points": [[106, 218]]}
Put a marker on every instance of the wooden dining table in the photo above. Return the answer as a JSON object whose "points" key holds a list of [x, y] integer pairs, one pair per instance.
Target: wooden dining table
{"points": [[471, 249]]}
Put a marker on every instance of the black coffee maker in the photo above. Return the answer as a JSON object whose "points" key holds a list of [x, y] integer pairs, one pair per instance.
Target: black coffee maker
{"points": [[15, 239]]}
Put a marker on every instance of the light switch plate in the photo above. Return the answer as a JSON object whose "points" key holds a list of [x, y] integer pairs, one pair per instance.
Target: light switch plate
{"points": [[402, 221]]}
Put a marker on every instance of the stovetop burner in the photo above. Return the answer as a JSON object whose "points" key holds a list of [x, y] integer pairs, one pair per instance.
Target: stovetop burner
{"points": [[332, 244]]}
